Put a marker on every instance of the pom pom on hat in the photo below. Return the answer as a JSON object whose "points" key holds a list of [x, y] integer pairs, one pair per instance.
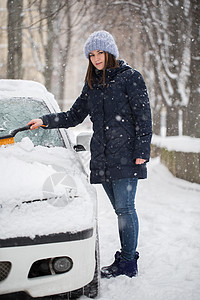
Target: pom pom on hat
{"points": [[101, 40]]}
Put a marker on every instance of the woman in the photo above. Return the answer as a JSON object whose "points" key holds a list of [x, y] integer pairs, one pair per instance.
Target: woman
{"points": [[116, 99]]}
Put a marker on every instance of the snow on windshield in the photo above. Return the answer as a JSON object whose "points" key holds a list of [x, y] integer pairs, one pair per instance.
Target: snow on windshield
{"points": [[18, 111]]}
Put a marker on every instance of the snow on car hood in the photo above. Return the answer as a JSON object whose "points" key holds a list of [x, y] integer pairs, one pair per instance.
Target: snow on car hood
{"points": [[24, 175]]}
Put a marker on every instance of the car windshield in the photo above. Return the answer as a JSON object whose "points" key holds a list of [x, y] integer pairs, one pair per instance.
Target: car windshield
{"points": [[17, 112]]}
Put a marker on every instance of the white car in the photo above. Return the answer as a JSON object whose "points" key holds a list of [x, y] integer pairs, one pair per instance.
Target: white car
{"points": [[48, 209]]}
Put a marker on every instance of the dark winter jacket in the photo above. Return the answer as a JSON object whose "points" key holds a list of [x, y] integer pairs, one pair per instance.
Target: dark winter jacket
{"points": [[121, 118]]}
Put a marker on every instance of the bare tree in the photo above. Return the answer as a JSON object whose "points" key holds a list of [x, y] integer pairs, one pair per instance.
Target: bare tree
{"points": [[191, 115], [63, 35], [168, 35], [15, 19], [50, 7], [54, 22], [42, 14]]}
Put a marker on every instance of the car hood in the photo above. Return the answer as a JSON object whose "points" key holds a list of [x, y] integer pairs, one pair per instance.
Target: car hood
{"points": [[33, 181]]}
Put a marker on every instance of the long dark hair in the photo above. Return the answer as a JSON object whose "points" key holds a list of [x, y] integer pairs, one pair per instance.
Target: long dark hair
{"points": [[110, 63]]}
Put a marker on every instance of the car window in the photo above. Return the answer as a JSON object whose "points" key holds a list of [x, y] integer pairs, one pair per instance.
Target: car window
{"points": [[17, 112]]}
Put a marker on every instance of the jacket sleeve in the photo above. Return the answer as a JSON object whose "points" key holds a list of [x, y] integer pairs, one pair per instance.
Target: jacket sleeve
{"points": [[139, 102], [72, 117]]}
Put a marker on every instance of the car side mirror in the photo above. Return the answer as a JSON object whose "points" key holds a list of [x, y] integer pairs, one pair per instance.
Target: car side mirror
{"points": [[83, 141]]}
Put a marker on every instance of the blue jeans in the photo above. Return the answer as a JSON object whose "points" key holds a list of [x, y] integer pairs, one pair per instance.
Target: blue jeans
{"points": [[121, 193]]}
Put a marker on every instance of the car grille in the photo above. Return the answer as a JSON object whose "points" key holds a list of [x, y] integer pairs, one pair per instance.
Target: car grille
{"points": [[5, 267]]}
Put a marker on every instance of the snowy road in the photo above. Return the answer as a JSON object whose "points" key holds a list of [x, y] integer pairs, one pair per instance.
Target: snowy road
{"points": [[169, 243]]}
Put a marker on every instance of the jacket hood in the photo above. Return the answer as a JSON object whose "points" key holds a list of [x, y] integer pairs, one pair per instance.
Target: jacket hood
{"points": [[111, 73], [123, 65]]}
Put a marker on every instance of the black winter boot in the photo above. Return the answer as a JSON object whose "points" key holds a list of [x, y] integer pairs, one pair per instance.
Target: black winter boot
{"points": [[121, 267]]}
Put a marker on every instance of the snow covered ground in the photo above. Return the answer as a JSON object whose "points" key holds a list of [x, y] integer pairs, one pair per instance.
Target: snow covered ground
{"points": [[169, 243]]}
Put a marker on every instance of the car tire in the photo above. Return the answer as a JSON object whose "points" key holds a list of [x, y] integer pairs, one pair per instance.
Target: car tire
{"points": [[91, 289]]}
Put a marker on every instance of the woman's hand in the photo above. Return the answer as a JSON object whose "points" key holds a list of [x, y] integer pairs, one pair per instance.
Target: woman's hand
{"points": [[35, 123], [140, 161]]}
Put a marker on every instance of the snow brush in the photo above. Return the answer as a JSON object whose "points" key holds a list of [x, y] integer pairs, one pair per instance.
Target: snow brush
{"points": [[9, 139]]}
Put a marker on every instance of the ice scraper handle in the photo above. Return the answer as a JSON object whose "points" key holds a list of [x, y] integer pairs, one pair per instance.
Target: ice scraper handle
{"points": [[13, 133]]}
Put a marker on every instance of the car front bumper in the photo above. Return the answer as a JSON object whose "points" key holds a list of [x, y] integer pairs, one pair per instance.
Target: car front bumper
{"points": [[22, 253]]}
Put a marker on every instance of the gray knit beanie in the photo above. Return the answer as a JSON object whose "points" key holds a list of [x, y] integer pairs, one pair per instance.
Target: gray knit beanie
{"points": [[101, 40]]}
